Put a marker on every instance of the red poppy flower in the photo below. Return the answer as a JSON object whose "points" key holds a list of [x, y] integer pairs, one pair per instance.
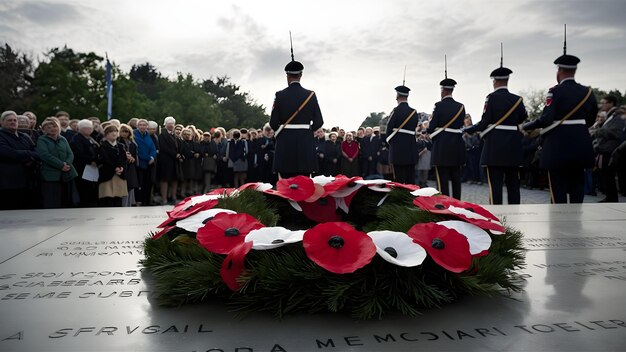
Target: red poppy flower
{"points": [[317, 193], [296, 188], [447, 247], [225, 231], [234, 265], [338, 247], [341, 182], [163, 231], [189, 206], [322, 210], [469, 212], [408, 187]]}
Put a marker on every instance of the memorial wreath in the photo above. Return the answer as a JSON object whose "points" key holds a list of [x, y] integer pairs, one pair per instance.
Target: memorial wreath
{"points": [[335, 244]]}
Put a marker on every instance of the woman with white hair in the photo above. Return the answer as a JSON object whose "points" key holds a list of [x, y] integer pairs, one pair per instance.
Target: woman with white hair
{"points": [[57, 171], [85, 150], [18, 161], [167, 162]]}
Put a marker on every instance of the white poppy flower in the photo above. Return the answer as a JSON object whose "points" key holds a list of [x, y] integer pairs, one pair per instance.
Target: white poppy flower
{"points": [[398, 248], [425, 192], [262, 187], [479, 240], [322, 180], [197, 220], [272, 237]]}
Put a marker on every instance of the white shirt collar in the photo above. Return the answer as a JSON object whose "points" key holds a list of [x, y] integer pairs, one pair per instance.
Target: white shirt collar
{"points": [[503, 87], [447, 96], [292, 82], [566, 79]]}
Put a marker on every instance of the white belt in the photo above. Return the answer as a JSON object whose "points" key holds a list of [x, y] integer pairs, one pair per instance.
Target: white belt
{"points": [[298, 127], [506, 127], [574, 122], [453, 130], [402, 130]]}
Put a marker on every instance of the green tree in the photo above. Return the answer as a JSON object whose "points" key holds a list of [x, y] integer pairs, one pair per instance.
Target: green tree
{"points": [[373, 119], [238, 109], [188, 103], [16, 75], [69, 81]]}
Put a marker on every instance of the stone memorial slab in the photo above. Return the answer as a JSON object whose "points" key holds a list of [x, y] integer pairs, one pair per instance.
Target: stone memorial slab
{"points": [[77, 286]]}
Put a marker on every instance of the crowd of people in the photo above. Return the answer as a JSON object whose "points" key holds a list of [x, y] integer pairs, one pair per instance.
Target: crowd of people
{"points": [[85, 163]]}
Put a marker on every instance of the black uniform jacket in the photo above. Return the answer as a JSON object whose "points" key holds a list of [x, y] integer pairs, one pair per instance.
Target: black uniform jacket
{"points": [[403, 146], [295, 148], [448, 147], [568, 145], [503, 145]]}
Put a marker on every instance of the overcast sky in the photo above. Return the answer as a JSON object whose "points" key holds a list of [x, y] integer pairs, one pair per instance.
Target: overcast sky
{"points": [[354, 52]]}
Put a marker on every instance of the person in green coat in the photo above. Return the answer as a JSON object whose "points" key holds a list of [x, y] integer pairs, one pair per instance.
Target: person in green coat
{"points": [[56, 172]]}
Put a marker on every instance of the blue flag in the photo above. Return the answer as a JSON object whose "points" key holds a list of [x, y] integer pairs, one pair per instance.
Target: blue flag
{"points": [[109, 91]]}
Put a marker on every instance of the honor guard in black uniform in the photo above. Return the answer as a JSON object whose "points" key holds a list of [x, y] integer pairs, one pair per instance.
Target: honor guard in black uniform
{"points": [[566, 148], [448, 151], [295, 115], [403, 153], [502, 151]]}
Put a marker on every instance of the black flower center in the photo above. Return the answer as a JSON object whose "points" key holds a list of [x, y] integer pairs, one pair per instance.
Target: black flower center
{"points": [[470, 209], [391, 251], [207, 219], [278, 241], [336, 242], [231, 231], [189, 207], [351, 184], [293, 186], [438, 244], [230, 265], [323, 201], [439, 206]]}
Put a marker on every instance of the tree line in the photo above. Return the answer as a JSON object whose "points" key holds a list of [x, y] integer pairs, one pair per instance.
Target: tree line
{"points": [[75, 82]]}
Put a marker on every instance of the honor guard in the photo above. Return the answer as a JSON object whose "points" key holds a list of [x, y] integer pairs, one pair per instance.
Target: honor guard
{"points": [[403, 153], [295, 116], [566, 148], [448, 151], [502, 151]]}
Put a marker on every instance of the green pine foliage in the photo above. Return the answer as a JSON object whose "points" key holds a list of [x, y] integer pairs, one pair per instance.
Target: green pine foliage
{"points": [[284, 280]]}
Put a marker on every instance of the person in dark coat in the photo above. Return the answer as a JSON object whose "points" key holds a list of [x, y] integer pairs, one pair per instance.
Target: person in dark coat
{"points": [[403, 154], [606, 139], [127, 139], [448, 152], [332, 155], [208, 150], [85, 150], [266, 156], [113, 163], [254, 145], [319, 141], [502, 151], [566, 149], [295, 150], [18, 162], [370, 147], [168, 158]]}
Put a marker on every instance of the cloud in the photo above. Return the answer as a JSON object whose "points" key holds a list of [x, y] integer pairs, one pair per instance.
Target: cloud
{"points": [[43, 13]]}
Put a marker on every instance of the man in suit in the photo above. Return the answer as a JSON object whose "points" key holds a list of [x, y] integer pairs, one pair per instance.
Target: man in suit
{"points": [[566, 149], [502, 151], [295, 115], [448, 151], [606, 139], [403, 153]]}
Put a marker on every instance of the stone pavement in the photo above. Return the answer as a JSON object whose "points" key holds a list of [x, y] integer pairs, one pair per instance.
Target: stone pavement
{"points": [[480, 194]]}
